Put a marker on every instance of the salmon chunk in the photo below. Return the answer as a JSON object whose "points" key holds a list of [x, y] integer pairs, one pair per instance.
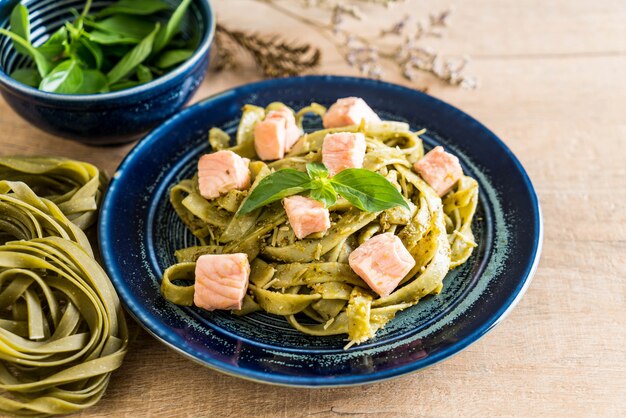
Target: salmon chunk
{"points": [[306, 216], [343, 150], [275, 134], [222, 171], [382, 262], [349, 111], [221, 281], [269, 139], [292, 131], [439, 169]]}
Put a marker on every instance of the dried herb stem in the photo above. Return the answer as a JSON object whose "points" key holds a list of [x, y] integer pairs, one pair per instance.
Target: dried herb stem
{"points": [[406, 50], [273, 55], [322, 28]]}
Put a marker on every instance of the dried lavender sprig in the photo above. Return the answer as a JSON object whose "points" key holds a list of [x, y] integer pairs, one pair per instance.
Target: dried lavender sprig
{"points": [[441, 18], [445, 69], [329, 4], [364, 54], [397, 28], [409, 56]]}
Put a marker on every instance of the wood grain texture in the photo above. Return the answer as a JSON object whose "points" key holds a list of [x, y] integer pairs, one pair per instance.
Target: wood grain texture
{"points": [[553, 87]]}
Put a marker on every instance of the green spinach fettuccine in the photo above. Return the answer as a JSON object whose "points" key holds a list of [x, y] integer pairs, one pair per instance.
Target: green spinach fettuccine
{"points": [[309, 281], [62, 329]]}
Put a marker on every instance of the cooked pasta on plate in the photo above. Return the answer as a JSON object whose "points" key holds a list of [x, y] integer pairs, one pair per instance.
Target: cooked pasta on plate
{"points": [[336, 230]]}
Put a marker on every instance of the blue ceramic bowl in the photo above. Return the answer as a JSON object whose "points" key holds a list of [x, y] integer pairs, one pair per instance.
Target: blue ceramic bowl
{"points": [[109, 118], [139, 232]]}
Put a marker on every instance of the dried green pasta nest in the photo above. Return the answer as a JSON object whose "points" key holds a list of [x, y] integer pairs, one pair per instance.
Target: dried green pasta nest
{"points": [[311, 277], [75, 187], [62, 328]]}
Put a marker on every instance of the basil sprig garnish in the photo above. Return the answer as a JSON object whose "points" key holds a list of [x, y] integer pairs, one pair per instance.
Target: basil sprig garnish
{"points": [[124, 45], [366, 190]]}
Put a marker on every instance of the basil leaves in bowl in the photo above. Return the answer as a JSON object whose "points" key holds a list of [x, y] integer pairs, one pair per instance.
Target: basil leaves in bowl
{"points": [[102, 72]]}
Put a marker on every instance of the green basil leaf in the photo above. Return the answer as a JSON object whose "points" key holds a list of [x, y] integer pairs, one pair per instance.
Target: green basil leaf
{"points": [[276, 186], [21, 27], [325, 194], [136, 56], [75, 13], [94, 51], [135, 7], [75, 29], [144, 75], [321, 187], [115, 51], [367, 190], [171, 58], [28, 76], [54, 46], [172, 27], [43, 64], [123, 85], [86, 9], [94, 81], [178, 43], [124, 25], [107, 38], [65, 78], [317, 170]]}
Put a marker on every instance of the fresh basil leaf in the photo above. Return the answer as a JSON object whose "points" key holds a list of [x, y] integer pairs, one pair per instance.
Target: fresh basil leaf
{"points": [[367, 190], [321, 187], [136, 56], [172, 27], [43, 64], [107, 38], [173, 57], [123, 85], [283, 183], [317, 170], [325, 194], [135, 7], [178, 43], [115, 51], [129, 26], [94, 52], [144, 75], [75, 12], [21, 27], [74, 29], [65, 78], [94, 81], [28, 76], [54, 46], [86, 9]]}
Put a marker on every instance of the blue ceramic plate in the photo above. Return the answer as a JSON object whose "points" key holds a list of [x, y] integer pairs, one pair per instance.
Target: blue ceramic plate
{"points": [[139, 233]]}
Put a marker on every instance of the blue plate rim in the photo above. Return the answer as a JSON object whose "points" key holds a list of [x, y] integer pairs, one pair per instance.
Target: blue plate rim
{"points": [[157, 330]]}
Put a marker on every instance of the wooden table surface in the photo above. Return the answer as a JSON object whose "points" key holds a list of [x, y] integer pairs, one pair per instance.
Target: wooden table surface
{"points": [[553, 87]]}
